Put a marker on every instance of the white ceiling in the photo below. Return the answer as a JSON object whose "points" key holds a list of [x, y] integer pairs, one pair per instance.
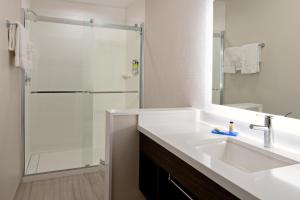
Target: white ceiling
{"points": [[113, 3]]}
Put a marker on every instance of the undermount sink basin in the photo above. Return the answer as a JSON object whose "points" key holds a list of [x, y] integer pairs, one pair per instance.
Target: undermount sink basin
{"points": [[243, 156]]}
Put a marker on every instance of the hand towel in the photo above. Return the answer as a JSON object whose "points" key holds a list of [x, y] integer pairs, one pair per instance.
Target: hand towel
{"points": [[18, 42], [12, 37], [232, 59], [251, 58]]}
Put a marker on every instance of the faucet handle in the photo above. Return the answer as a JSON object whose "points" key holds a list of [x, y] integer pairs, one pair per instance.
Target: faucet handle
{"points": [[287, 114], [267, 119], [266, 116]]}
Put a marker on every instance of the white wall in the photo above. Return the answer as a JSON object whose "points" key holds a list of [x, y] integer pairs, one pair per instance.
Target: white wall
{"points": [[135, 13], [11, 140], [219, 16], [178, 37], [25, 3]]}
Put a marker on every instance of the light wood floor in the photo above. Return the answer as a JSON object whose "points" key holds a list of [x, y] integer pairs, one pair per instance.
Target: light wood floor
{"points": [[79, 187]]}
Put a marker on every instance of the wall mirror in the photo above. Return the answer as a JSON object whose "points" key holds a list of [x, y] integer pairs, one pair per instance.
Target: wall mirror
{"points": [[256, 55]]}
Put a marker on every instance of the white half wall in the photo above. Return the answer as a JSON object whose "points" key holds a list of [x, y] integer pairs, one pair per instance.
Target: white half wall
{"points": [[123, 156]]}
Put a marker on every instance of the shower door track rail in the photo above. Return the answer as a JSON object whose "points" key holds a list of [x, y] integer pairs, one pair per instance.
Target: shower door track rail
{"points": [[84, 92], [31, 15]]}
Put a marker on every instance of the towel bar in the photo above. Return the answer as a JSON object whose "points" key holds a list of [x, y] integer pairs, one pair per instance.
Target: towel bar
{"points": [[9, 23], [262, 45]]}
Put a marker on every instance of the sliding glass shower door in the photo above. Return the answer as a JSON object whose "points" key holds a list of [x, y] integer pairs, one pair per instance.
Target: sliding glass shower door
{"points": [[78, 72]]}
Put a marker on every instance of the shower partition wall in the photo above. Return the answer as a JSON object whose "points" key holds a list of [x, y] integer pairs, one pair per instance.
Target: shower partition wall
{"points": [[79, 70]]}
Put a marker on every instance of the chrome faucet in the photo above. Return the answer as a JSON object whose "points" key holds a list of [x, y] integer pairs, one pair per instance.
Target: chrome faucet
{"points": [[268, 131]]}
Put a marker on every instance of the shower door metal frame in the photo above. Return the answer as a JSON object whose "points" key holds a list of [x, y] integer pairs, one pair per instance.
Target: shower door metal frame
{"points": [[33, 16], [142, 66], [221, 35]]}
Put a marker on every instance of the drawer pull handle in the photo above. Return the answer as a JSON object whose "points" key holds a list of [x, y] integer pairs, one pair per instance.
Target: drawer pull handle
{"points": [[178, 187]]}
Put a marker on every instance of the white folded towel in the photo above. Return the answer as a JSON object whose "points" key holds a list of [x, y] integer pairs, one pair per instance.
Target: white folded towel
{"points": [[251, 58], [18, 43], [232, 59]]}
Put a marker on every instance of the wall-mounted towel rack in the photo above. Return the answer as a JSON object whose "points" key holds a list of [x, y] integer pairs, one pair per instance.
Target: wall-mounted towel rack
{"points": [[262, 45], [9, 23], [22, 20]]}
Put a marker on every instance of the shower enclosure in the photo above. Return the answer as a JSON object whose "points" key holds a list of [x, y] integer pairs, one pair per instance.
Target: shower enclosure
{"points": [[79, 70]]}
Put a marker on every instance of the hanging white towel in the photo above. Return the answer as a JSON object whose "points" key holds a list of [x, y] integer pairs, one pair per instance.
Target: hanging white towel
{"points": [[18, 43], [12, 37], [232, 59], [251, 58]]}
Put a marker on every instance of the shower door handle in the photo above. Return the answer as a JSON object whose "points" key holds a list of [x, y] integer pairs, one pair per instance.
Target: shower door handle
{"points": [[179, 188]]}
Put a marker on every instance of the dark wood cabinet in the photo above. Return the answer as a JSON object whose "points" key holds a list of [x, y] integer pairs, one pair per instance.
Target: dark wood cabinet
{"points": [[149, 178], [164, 176]]}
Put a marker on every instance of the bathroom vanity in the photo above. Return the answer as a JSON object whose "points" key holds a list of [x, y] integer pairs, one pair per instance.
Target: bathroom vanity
{"points": [[181, 159], [165, 176]]}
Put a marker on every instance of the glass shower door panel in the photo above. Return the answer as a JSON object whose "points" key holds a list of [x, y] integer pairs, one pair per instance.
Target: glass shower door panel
{"points": [[60, 125], [78, 73], [62, 58], [61, 130], [108, 59], [133, 84], [114, 82]]}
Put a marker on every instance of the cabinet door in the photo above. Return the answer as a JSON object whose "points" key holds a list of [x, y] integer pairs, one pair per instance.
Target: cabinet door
{"points": [[149, 178], [171, 189]]}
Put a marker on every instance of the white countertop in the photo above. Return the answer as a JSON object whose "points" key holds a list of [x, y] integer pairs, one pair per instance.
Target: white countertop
{"points": [[179, 135]]}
